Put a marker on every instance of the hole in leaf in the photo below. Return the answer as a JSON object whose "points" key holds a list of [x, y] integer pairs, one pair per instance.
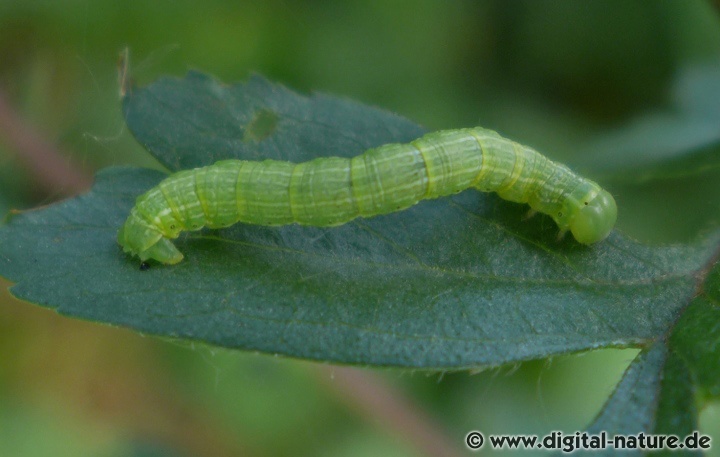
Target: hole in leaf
{"points": [[261, 126]]}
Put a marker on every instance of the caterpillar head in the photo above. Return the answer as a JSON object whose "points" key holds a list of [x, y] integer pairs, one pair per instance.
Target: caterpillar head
{"points": [[138, 238], [595, 217]]}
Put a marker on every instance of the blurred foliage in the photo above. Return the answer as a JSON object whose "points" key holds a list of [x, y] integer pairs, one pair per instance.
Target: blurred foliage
{"points": [[553, 74]]}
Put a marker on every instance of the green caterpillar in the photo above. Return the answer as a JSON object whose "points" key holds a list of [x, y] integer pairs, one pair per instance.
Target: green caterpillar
{"points": [[330, 191]]}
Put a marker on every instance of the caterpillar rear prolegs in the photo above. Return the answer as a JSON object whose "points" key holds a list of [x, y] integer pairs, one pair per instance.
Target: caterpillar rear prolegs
{"points": [[330, 191]]}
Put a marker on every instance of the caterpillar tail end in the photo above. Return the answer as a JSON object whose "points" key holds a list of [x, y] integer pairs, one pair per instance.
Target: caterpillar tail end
{"points": [[151, 245]]}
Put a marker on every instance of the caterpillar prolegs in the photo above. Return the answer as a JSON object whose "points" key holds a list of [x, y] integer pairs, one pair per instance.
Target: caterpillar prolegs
{"points": [[330, 191]]}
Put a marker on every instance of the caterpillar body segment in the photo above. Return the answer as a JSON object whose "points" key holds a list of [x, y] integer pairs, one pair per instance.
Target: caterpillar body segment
{"points": [[330, 191]]}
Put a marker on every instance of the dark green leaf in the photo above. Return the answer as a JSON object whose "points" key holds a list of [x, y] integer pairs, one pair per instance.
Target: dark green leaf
{"points": [[631, 409], [450, 283], [696, 340], [668, 383], [196, 121], [676, 409]]}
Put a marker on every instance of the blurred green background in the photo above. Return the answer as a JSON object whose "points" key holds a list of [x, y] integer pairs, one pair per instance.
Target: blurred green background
{"points": [[566, 77]]}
